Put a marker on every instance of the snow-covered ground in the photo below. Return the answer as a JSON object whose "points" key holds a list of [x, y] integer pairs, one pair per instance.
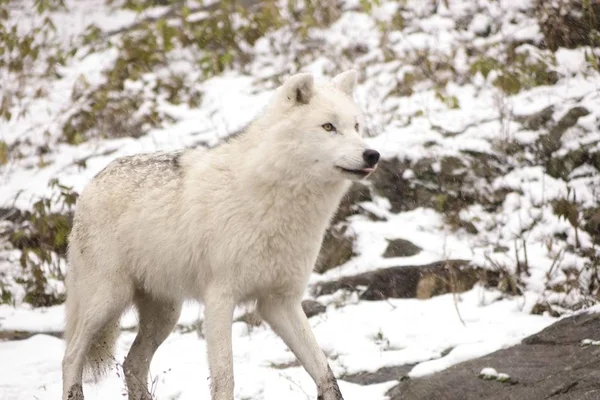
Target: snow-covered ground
{"points": [[356, 335]]}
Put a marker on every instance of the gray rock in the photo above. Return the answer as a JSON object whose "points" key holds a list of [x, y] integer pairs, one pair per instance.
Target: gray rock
{"points": [[389, 183], [551, 142], [447, 185], [401, 248], [357, 193], [10, 335], [592, 225], [12, 214], [549, 365], [568, 23], [536, 120], [338, 246], [312, 308], [336, 249], [413, 281], [384, 374]]}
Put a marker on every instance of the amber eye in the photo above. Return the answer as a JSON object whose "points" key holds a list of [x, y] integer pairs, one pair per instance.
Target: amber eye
{"points": [[328, 127], [356, 127]]}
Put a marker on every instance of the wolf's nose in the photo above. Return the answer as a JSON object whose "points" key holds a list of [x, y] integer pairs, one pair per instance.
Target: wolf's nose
{"points": [[371, 157]]}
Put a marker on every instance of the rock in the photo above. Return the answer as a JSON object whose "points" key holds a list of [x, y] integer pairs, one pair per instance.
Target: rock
{"points": [[592, 226], [286, 365], [13, 215], [536, 120], [384, 374], [416, 281], [388, 182], [452, 173], [551, 364], [568, 23], [469, 227], [337, 247], [312, 308], [561, 167], [595, 159], [401, 248], [541, 308], [551, 142], [446, 185], [358, 192], [484, 165], [405, 195], [9, 335]]}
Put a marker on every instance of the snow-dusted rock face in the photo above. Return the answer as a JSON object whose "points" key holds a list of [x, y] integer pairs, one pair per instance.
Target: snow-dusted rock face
{"points": [[557, 363], [491, 151], [568, 23]]}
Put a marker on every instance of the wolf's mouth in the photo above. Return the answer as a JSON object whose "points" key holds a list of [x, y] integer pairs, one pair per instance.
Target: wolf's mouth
{"points": [[363, 172]]}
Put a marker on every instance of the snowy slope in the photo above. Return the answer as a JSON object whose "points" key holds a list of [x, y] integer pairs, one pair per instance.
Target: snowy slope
{"points": [[421, 124], [357, 337]]}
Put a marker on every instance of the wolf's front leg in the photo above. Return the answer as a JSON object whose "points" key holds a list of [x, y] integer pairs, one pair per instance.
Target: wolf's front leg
{"points": [[218, 317], [286, 317]]}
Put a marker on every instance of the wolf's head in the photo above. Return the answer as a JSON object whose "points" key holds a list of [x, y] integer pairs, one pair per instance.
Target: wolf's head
{"points": [[319, 128]]}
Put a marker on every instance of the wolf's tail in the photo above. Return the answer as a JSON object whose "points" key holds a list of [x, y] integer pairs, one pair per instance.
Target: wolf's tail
{"points": [[100, 355]]}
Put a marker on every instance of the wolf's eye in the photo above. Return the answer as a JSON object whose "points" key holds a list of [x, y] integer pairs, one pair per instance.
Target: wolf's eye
{"points": [[356, 127], [328, 127]]}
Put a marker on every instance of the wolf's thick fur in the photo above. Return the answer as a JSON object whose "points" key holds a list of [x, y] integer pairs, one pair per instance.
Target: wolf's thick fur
{"points": [[243, 221]]}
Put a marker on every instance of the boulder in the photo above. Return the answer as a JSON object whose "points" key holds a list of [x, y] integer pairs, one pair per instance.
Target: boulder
{"points": [[555, 363], [592, 225], [384, 374], [310, 307], [536, 120], [447, 184], [388, 182], [551, 141], [401, 248], [338, 245], [413, 281], [568, 23]]}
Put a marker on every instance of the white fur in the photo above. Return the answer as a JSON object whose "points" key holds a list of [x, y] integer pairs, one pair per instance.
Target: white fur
{"points": [[243, 221]]}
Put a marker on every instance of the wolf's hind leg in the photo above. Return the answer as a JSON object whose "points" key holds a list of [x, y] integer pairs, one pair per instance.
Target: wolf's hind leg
{"points": [[92, 332], [157, 318]]}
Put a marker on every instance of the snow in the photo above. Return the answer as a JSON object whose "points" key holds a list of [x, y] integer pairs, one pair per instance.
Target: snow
{"points": [[363, 336], [490, 373], [502, 377], [590, 342], [480, 23], [357, 336]]}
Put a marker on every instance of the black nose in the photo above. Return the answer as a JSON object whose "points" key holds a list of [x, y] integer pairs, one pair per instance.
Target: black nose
{"points": [[371, 157]]}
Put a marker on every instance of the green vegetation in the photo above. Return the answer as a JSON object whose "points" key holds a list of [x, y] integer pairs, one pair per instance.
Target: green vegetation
{"points": [[41, 236], [521, 70]]}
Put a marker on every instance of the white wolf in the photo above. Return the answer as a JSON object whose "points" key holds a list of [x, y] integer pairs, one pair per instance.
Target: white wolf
{"points": [[243, 221]]}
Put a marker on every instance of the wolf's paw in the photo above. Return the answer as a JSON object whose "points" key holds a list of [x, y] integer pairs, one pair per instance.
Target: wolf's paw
{"points": [[331, 394], [75, 392]]}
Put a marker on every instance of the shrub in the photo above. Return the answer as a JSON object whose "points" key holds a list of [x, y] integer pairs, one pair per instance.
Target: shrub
{"points": [[569, 23], [40, 235]]}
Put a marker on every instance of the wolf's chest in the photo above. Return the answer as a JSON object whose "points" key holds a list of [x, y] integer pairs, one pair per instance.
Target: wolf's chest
{"points": [[272, 257], [285, 243]]}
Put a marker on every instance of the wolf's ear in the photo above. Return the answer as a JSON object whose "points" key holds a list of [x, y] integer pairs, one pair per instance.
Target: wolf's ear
{"points": [[346, 81], [299, 88]]}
